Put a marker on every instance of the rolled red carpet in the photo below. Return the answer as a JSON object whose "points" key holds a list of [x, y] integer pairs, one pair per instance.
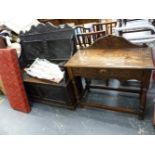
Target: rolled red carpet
{"points": [[12, 80]]}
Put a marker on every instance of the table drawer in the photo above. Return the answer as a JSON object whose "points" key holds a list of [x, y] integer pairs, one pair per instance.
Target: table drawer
{"points": [[121, 74]]}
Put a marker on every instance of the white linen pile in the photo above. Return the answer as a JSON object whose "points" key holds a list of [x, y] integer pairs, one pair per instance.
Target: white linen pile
{"points": [[44, 69]]}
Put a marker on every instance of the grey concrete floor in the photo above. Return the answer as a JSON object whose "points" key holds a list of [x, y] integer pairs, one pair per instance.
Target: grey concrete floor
{"points": [[44, 119]]}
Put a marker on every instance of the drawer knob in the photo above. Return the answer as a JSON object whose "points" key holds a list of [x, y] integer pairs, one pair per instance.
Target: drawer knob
{"points": [[102, 70]]}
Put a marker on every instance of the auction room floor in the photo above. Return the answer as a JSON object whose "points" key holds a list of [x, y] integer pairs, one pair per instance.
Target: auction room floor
{"points": [[44, 119]]}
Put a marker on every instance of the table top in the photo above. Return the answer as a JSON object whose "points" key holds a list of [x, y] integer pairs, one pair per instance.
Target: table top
{"points": [[130, 58]]}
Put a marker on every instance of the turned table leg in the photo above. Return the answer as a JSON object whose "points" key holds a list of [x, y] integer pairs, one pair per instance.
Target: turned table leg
{"points": [[143, 94], [88, 82], [72, 78], [154, 116], [142, 104]]}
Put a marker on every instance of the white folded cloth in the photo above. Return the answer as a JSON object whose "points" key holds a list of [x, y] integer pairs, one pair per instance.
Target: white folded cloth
{"points": [[44, 69]]}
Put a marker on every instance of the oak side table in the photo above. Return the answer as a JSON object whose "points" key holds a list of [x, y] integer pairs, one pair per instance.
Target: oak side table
{"points": [[113, 57]]}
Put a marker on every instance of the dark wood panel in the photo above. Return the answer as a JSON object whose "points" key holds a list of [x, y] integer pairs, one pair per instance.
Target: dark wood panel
{"points": [[102, 106]]}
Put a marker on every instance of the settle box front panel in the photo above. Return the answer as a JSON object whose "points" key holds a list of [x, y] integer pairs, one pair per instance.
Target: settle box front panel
{"points": [[63, 95]]}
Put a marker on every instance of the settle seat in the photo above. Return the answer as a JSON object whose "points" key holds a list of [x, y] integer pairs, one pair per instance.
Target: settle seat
{"points": [[55, 44]]}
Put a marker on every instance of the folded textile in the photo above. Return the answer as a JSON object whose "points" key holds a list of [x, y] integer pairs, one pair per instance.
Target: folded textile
{"points": [[44, 69]]}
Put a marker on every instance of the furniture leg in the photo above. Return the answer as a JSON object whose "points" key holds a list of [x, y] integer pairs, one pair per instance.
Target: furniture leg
{"points": [[154, 116], [88, 82], [107, 82], [143, 94], [142, 104], [72, 78]]}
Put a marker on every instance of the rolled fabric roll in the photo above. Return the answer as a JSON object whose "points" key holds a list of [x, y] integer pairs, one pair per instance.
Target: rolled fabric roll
{"points": [[12, 79]]}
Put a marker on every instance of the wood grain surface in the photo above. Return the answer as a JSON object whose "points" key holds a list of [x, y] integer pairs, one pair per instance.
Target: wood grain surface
{"points": [[134, 58]]}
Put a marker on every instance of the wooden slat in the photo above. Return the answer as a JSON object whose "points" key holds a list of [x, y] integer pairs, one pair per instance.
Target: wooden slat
{"points": [[85, 39], [115, 89], [102, 106]]}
